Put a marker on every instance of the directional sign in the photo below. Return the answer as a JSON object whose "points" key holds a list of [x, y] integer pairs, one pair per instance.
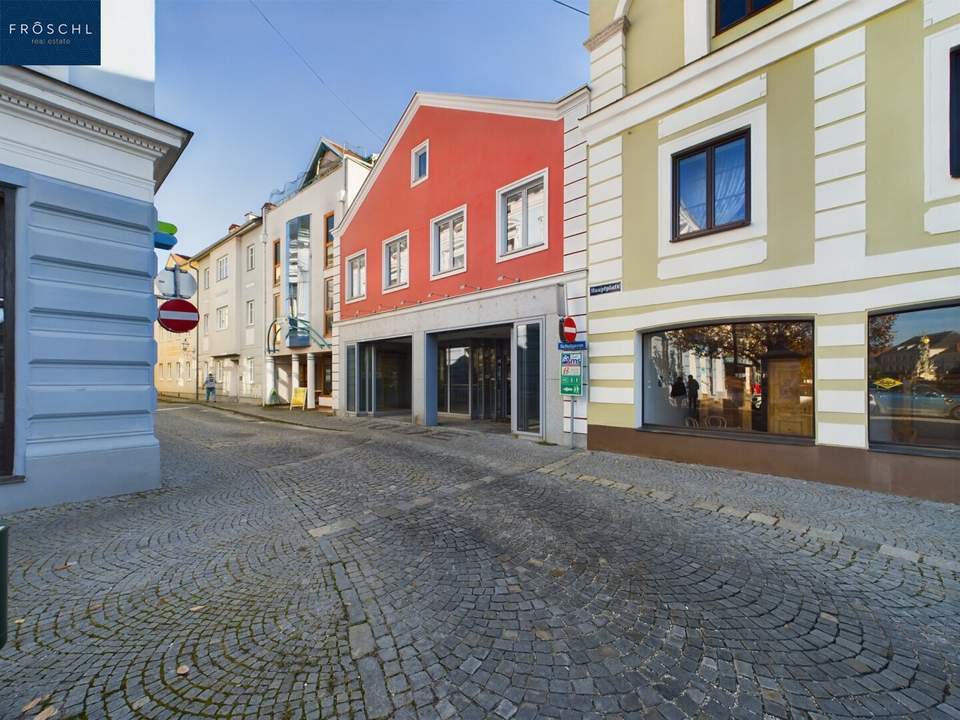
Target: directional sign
{"points": [[568, 329], [178, 316], [167, 227], [571, 373]]}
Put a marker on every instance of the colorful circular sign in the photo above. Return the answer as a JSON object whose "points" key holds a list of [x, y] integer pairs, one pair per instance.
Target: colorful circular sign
{"points": [[178, 316], [569, 330]]}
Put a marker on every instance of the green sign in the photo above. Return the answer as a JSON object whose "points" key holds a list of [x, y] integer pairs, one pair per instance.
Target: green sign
{"points": [[571, 372]]}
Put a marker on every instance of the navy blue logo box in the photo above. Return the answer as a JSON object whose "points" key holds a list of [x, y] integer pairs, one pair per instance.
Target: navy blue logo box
{"points": [[49, 32]]}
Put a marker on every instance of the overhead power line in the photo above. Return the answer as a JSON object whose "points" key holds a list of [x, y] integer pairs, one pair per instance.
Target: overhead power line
{"points": [[571, 7], [315, 73]]}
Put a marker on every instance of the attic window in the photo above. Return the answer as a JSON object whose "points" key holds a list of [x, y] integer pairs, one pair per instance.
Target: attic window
{"points": [[419, 163]]}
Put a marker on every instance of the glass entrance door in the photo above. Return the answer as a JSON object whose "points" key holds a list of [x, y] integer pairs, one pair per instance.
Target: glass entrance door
{"points": [[6, 332]]}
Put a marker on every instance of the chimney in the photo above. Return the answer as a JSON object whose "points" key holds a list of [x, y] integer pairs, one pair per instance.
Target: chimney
{"points": [[233, 226], [249, 216]]}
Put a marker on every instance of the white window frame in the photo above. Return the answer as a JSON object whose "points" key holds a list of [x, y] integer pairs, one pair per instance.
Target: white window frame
{"points": [[425, 147], [224, 316], [251, 257], [206, 278], [348, 279], [206, 324], [937, 181], [223, 267], [385, 280], [756, 120], [251, 313], [434, 249], [502, 254]]}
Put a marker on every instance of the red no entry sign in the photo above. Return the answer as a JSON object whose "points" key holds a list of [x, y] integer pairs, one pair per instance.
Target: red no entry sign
{"points": [[569, 330], [178, 316]]}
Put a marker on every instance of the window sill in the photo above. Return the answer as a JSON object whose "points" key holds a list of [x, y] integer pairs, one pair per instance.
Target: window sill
{"points": [[895, 449], [710, 231], [394, 288], [504, 257], [745, 436], [448, 273]]}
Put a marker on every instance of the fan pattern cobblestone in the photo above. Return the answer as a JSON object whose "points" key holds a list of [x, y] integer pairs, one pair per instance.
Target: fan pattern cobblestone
{"points": [[374, 570]]}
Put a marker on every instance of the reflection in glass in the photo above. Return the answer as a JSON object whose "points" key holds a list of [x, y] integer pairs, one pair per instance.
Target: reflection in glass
{"points": [[692, 187], [730, 165], [451, 240], [914, 378], [528, 377], [752, 377], [351, 378]]}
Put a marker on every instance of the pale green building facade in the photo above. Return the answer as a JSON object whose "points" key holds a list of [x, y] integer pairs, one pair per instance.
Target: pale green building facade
{"points": [[774, 222]]}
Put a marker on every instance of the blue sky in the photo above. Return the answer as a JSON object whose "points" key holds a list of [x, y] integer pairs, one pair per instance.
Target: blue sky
{"points": [[257, 112]]}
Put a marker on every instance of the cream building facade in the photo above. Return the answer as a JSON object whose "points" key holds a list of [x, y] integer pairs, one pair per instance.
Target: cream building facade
{"points": [[772, 217], [175, 373], [229, 298]]}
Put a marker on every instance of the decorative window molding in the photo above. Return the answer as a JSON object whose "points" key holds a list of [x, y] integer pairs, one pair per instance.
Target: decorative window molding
{"points": [[938, 183], [436, 272], [420, 163], [355, 270], [523, 185], [755, 120], [401, 242]]}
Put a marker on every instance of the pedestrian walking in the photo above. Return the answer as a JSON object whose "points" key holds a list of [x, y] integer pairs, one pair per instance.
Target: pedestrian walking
{"points": [[210, 385]]}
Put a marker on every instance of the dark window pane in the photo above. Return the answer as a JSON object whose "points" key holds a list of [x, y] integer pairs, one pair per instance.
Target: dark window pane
{"points": [[914, 378], [351, 378], [730, 11], [528, 378], [692, 190], [745, 377], [730, 182], [759, 5], [955, 112]]}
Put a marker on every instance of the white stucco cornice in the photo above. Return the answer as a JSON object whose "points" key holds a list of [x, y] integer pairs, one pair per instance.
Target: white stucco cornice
{"points": [[789, 34], [543, 110], [36, 105]]}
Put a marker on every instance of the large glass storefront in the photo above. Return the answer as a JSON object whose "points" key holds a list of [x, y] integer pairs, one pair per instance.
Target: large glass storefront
{"points": [[529, 362], [753, 377], [914, 378]]}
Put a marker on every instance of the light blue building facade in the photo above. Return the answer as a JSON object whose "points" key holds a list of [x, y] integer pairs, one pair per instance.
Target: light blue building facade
{"points": [[78, 173]]}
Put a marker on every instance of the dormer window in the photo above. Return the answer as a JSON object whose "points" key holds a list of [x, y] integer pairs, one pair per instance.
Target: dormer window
{"points": [[419, 163], [730, 12]]}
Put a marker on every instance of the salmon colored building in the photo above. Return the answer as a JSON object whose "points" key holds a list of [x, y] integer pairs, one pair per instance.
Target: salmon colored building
{"points": [[461, 253]]}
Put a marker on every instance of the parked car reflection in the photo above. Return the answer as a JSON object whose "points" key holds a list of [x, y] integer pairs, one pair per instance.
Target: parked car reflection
{"points": [[917, 399]]}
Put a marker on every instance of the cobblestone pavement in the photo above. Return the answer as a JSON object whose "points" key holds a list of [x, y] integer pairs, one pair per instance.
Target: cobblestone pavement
{"points": [[374, 569]]}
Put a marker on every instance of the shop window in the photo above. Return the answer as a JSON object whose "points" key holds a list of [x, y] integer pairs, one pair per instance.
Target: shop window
{"points": [[754, 377], [351, 378], [449, 243], [914, 378], [395, 263], [528, 377], [711, 186], [730, 12], [328, 224], [523, 216]]}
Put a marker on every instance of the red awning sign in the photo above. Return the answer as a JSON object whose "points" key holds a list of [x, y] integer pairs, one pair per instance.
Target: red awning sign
{"points": [[569, 329], [178, 316]]}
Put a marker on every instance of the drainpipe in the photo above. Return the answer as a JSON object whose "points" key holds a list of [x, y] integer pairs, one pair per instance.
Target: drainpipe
{"points": [[267, 296]]}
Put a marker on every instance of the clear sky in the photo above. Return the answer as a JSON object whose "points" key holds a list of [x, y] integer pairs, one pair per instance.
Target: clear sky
{"points": [[257, 112]]}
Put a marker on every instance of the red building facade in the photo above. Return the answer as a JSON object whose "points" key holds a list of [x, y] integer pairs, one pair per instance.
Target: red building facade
{"points": [[458, 257]]}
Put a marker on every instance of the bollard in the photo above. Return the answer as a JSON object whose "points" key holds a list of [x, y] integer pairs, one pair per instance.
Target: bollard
{"points": [[4, 537]]}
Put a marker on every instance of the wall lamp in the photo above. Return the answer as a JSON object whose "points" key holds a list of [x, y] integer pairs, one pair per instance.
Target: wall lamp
{"points": [[464, 286], [433, 294], [501, 278]]}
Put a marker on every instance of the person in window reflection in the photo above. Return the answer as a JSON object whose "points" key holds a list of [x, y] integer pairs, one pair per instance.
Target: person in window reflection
{"points": [[693, 395], [678, 391]]}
